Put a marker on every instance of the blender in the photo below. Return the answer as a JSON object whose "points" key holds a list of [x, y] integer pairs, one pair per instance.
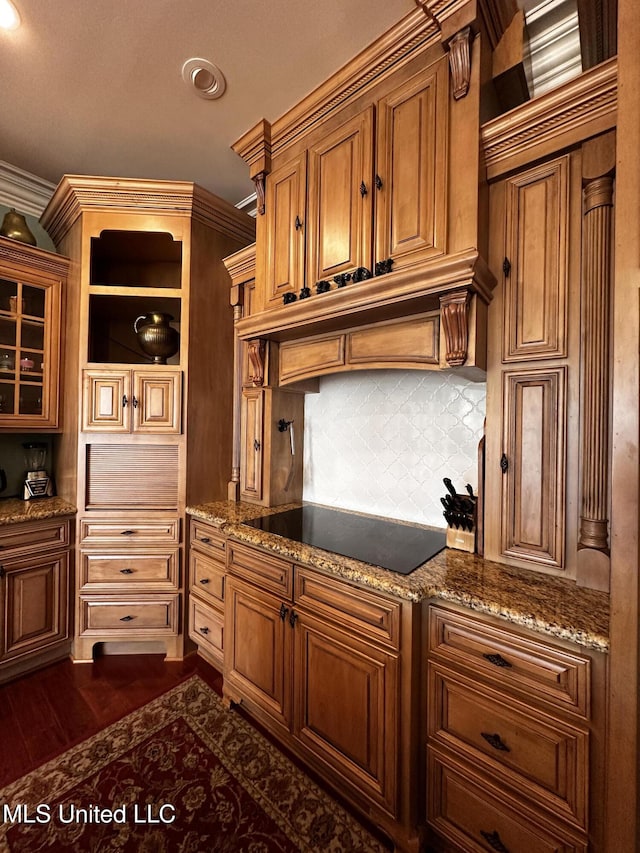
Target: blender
{"points": [[38, 484]]}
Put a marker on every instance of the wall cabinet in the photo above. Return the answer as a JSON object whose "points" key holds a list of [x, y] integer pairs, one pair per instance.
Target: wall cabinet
{"points": [[34, 595], [132, 401], [31, 283], [514, 728], [335, 208], [318, 662]]}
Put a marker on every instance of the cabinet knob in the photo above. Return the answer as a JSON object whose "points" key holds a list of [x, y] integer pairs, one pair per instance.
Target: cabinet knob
{"points": [[378, 182], [256, 444], [298, 223], [495, 741], [135, 402], [203, 630], [204, 581], [126, 571], [363, 189], [293, 617], [205, 539], [125, 401], [504, 463], [283, 612]]}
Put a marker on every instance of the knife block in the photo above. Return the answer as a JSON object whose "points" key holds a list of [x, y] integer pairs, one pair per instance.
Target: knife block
{"points": [[462, 540]]}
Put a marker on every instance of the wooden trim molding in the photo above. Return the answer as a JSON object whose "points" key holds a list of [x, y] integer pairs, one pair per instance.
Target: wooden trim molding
{"points": [[460, 62], [32, 258], [76, 194], [596, 294], [26, 192], [581, 108], [454, 313]]}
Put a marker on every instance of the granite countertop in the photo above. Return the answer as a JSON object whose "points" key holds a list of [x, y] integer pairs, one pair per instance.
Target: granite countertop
{"points": [[14, 510], [544, 603]]}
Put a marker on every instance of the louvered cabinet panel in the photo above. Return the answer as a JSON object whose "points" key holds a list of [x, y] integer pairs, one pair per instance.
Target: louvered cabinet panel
{"points": [[121, 476]]}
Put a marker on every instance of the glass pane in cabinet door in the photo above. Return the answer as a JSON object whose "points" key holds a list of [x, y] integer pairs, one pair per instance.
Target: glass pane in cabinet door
{"points": [[33, 301], [30, 402], [7, 333], [30, 365], [32, 335], [8, 295], [7, 398]]}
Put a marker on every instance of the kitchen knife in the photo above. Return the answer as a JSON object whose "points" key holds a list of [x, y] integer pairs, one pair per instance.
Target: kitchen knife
{"points": [[450, 488]]}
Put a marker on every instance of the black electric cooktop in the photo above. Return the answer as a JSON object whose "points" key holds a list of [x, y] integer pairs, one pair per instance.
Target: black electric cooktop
{"points": [[391, 545]]}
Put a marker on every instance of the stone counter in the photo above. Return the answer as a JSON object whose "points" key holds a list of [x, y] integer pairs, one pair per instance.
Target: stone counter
{"points": [[544, 603], [15, 511]]}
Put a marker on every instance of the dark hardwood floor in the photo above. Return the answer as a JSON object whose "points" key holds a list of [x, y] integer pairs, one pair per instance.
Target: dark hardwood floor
{"points": [[44, 713]]}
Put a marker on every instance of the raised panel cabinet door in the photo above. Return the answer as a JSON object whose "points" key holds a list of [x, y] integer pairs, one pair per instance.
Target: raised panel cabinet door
{"points": [[258, 649], [533, 463], [339, 217], [536, 264], [106, 401], [36, 593], [156, 402], [346, 707], [286, 228], [251, 432], [411, 168]]}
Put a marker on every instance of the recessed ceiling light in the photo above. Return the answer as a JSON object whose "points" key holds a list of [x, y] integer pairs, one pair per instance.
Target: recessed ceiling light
{"points": [[204, 78], [9, 17]]}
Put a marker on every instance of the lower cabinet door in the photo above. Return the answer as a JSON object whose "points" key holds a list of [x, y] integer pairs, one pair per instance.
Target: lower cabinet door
{"points": [[345, 708], [36, 604], [258, 662]]}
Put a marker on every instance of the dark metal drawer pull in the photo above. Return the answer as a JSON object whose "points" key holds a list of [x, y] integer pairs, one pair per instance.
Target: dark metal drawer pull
{"points": [[204, 580], [283, 612], [293, 616], [126, 571], [204, 630], [205, 539], [497, 660], [127, 618], [127, 532], [494, 841], [495, 741]]}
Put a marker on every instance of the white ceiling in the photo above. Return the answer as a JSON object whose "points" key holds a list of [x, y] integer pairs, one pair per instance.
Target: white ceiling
{"points": [[95, 86]]}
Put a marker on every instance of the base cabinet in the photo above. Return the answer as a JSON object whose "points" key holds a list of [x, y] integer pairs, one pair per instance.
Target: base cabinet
{"points": [[34, 595], [207, 588], [317, 661], [514, 728]]}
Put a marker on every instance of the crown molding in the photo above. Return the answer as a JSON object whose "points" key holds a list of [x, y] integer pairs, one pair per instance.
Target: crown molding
{"points": [[583, 107], [26, 192]]}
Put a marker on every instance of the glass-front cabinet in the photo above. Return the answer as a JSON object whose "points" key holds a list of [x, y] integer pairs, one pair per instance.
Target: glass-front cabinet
{"points": [[31, 282]]}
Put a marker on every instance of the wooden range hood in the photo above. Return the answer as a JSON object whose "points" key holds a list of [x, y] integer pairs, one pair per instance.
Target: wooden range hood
{"points": [[372, 207]]}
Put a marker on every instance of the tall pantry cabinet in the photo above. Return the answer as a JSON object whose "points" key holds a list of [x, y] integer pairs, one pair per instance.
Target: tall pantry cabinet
{"points": [[141, 440]]}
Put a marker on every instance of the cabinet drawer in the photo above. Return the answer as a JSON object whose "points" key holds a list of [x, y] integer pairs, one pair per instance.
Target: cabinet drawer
{"points": [[18, 539], [139, 615], [148, 570], [466, 810], [206, 628], [208, 539], [516, 663], [134, 532], [354, 610], [260, 568], [537, 755], [206, 577]]}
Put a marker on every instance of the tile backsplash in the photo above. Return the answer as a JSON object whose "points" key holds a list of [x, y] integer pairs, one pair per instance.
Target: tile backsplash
{"points": [[382, 441]]}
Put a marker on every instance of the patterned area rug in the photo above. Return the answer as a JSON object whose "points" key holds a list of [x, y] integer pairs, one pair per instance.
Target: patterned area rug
{"points": [[181, 774]]}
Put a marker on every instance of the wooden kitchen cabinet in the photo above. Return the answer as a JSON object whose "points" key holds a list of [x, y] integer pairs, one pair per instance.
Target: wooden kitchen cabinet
{"points": [[34, 595], [142, 439], [121, 401], [286, 218], [31, 284], [533, 380], [318, 662], [207, 590], [514, 733]]}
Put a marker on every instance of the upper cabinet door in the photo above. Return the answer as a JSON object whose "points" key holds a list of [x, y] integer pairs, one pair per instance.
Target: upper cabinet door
{"points": [[156, 399], [286, 228], [411, 169], [122, 401], [536, 277], [106, 401], [340, 200]]}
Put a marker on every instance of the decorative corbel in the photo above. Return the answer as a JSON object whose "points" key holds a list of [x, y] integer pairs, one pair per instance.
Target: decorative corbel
{"points": [[258, 180], [255, 149], [256, 350], [460, 62], [454, 316]]}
